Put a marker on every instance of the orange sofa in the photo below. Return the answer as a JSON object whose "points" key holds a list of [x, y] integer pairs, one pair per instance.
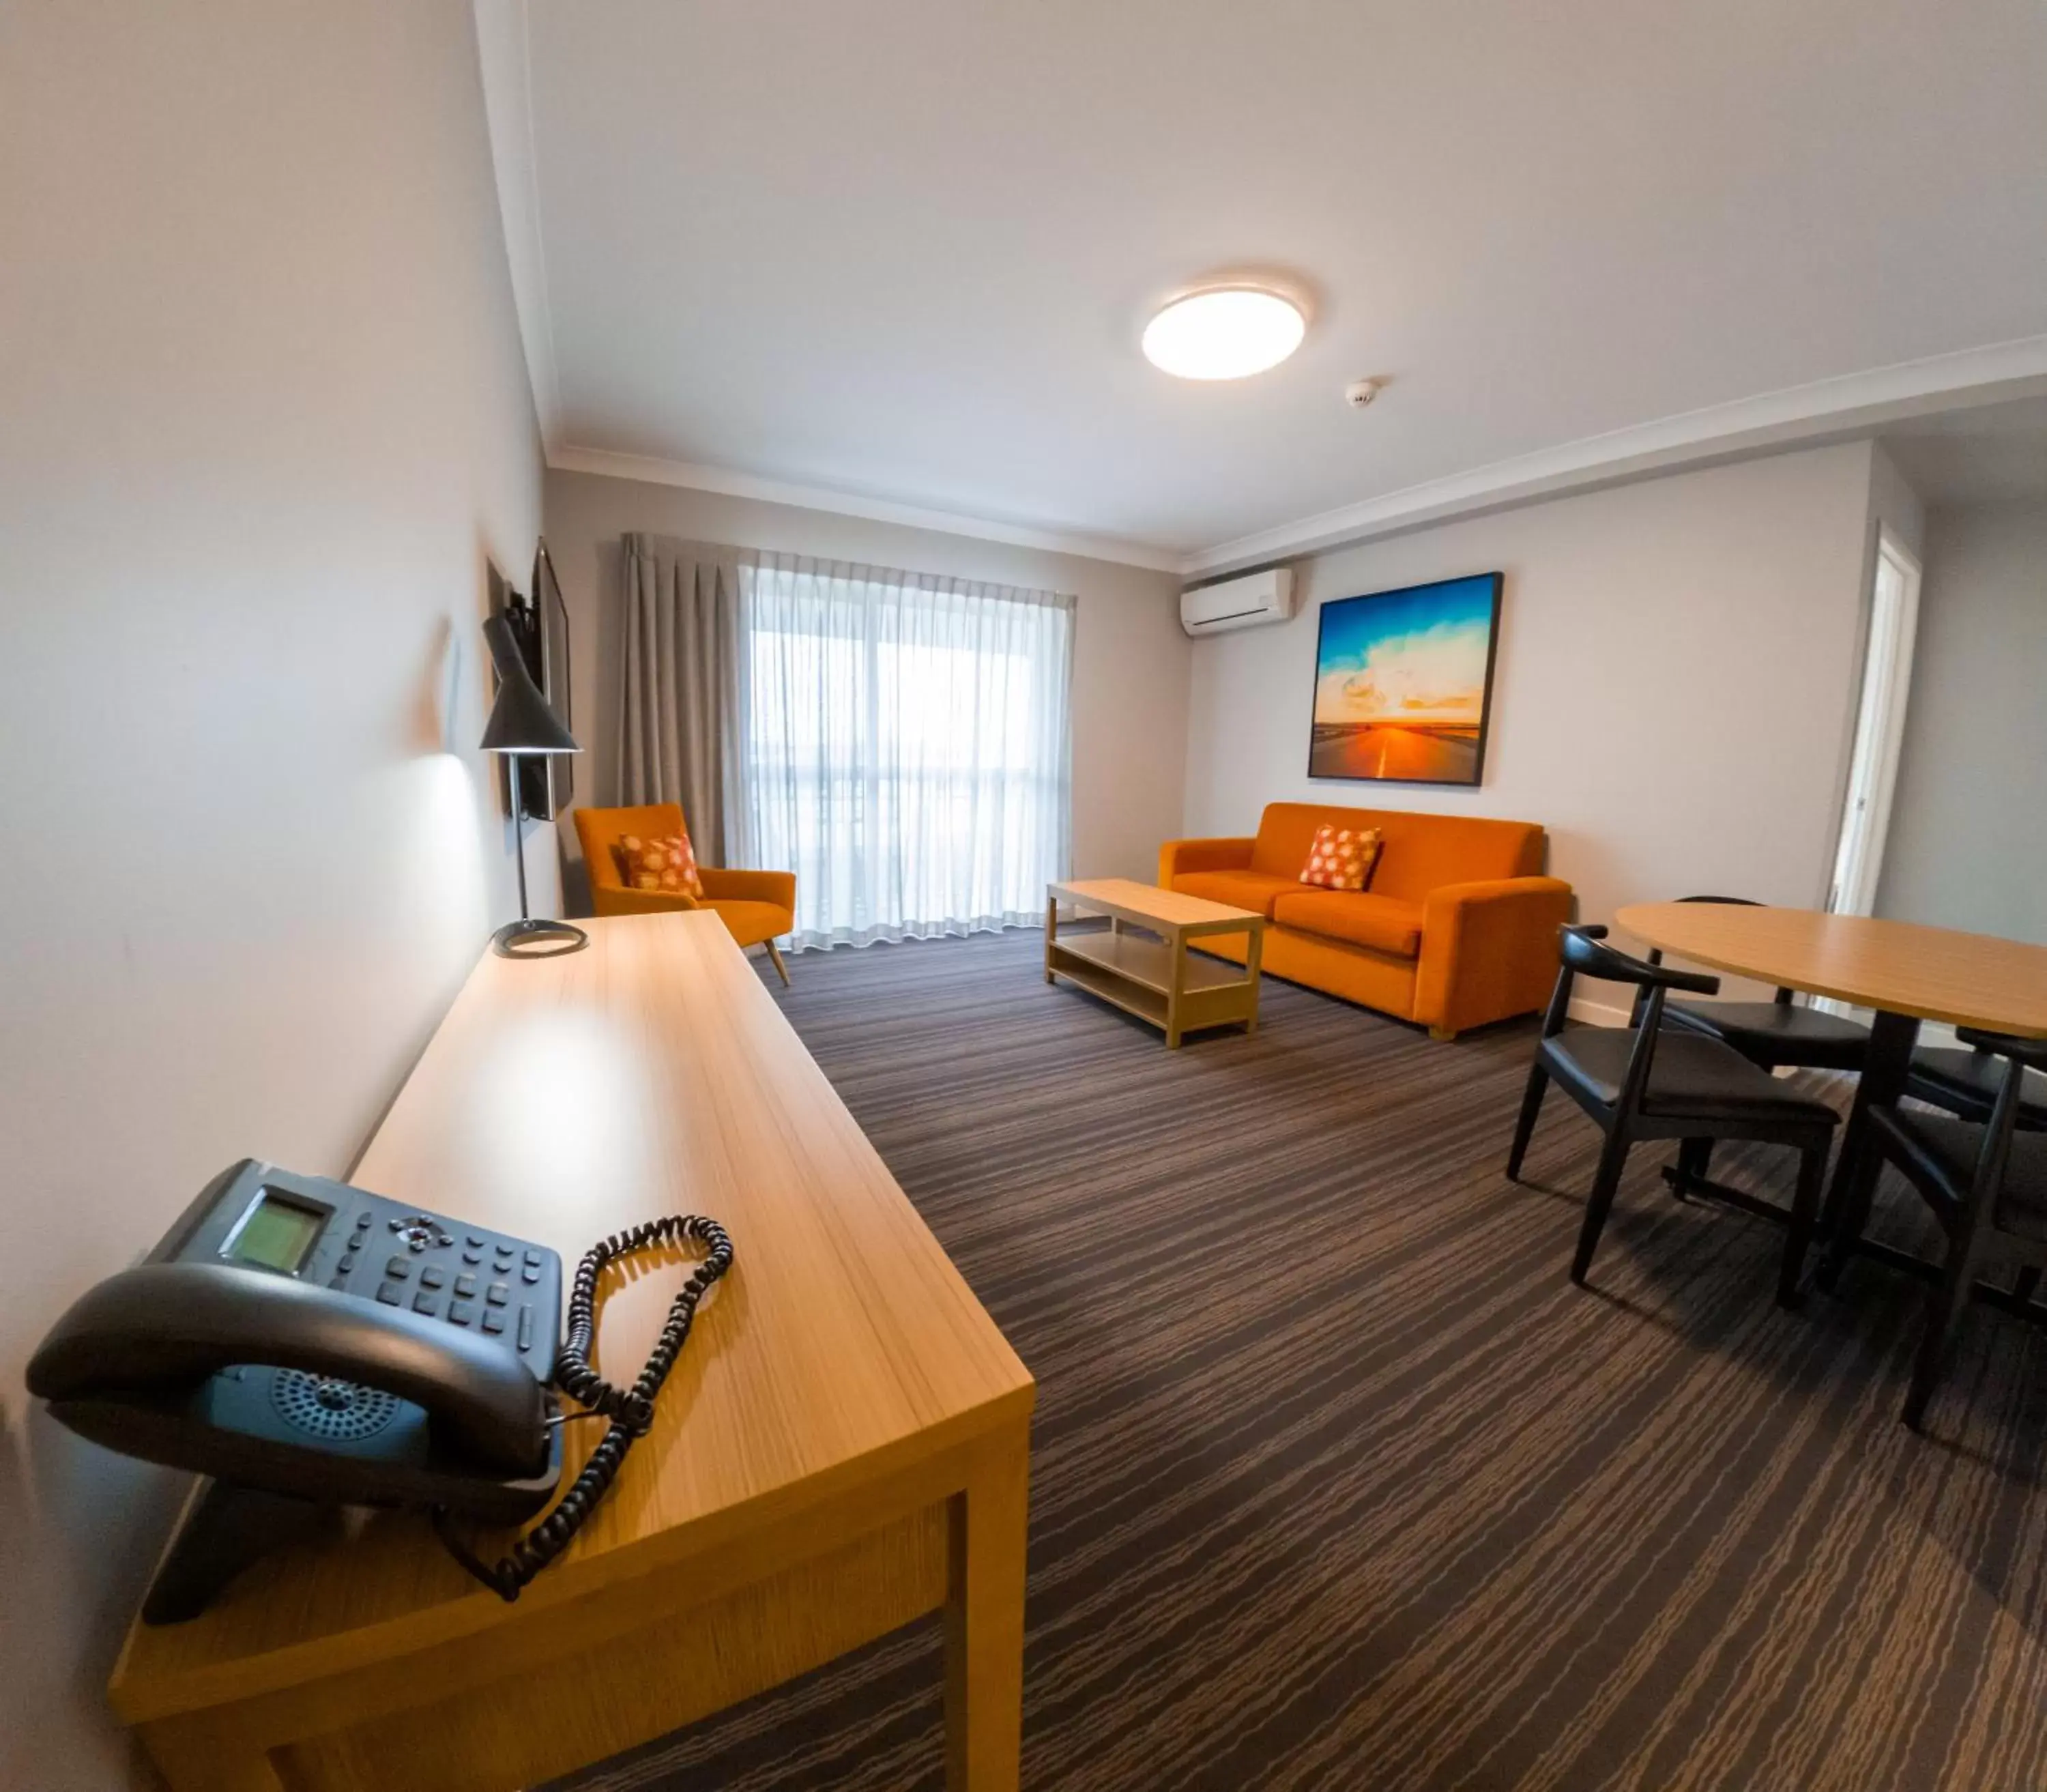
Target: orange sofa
{"points": [[754, 905], [1457, 926]]}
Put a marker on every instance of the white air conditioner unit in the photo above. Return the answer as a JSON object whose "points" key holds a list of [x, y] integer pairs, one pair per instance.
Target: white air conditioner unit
{"points": [[1238, 603]]}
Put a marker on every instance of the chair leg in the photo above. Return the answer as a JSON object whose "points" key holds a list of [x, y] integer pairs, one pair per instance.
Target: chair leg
{"points": [[1613, 1158], [1943, 1318], [1804, 1218], [1524, 1128], [775, 952], [1693, 1157]]}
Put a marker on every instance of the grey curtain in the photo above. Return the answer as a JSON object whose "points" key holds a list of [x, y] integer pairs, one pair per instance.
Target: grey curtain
{"points": [[679, 717]]}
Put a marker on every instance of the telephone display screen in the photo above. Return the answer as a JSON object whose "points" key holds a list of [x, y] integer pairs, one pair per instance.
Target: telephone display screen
{"points": [[276, 1233]]}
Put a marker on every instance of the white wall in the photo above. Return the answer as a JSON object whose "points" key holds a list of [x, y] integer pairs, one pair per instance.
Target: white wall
{"points": [[1130, 656], [1672, 700], [265, 423], [1967, 846]]}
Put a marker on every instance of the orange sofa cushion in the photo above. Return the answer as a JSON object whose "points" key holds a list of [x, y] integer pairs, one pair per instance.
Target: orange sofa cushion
{"points": [[1254, 890], [1420, 853], [1385, 923]]}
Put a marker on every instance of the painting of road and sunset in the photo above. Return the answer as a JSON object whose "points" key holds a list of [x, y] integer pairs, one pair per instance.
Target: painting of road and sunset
{"points": [[1403, 681]]}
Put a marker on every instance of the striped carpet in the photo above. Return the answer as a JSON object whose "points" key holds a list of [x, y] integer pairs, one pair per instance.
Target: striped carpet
{"points": [[1338, 1482]]}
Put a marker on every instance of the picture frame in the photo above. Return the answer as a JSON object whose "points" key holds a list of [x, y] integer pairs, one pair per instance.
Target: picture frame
{"points": [[1403, 683]]}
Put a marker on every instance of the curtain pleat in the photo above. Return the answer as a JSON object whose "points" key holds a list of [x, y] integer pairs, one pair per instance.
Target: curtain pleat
{"points": [[679, 716], [904, 746]]}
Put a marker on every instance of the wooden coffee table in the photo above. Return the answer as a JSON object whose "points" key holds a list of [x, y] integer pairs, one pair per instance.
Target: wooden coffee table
{"points": [[1154, 978]]}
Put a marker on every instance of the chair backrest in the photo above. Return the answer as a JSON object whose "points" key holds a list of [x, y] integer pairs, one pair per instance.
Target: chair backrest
{"points": [[1656, 952], [600, 830], [2032, 1052], [1580, 953], [2019, 1055]]}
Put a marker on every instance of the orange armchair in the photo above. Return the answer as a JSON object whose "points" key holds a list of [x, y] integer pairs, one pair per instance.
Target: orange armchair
{"points": [[755, 906]]}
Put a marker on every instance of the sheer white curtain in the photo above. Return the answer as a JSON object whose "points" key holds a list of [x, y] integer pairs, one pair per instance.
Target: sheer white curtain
{"points": [[904, 747]]}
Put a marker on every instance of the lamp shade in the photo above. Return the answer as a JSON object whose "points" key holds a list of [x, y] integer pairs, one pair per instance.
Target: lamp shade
{"points": [[521, 721]]}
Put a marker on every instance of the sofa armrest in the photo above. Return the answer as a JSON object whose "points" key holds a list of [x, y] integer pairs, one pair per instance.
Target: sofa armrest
{"points": [[776, 887], [1488, 950], [1177, 856], [618, 899]]}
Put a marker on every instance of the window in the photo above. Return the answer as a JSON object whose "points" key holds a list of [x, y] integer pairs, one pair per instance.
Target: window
{"points": [[904, 746]]}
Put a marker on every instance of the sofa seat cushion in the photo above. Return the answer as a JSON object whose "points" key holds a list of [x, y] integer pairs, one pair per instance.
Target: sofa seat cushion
{"points": [[1384, 923], [1254, 890]]}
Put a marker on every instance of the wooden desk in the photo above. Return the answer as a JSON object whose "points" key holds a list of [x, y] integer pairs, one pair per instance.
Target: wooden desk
{"points": [[1905, 973], [842, 1447], [1154, 980]]}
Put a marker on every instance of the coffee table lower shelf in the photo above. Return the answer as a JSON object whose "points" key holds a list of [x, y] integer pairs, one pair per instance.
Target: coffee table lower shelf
{"points": [[1136, 975]]}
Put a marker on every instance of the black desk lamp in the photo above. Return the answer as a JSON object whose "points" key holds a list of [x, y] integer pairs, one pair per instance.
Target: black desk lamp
{"points": [[520, 722]]}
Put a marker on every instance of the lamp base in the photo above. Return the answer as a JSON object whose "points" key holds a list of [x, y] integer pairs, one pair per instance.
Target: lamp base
{"points": [[538, 939]]}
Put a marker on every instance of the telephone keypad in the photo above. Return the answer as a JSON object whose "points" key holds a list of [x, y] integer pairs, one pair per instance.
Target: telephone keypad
{"points": [[450, 1271]]}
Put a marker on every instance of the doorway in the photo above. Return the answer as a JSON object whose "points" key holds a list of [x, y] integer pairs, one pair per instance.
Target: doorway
{"points": [[1887, 680]]}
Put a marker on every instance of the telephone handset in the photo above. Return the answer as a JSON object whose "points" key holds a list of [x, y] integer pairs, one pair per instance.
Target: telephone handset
{"points": [[310, 1345]]}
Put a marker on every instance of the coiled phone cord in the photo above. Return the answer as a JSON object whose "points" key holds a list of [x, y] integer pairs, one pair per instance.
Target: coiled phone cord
{"points": [[630, 1410]]}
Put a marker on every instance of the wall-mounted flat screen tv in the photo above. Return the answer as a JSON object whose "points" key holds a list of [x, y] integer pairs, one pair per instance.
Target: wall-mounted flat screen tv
{"points": [[1403, 683]]}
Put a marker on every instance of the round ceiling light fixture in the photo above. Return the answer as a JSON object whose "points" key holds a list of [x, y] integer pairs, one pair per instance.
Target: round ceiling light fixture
{"points": [[1225, 333]]}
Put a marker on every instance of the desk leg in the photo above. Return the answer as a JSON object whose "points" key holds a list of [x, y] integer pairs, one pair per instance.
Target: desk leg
{"points": [[984, 1620], [1253, 957], [1891, 1039], [1051, 932], [1176, 986]]}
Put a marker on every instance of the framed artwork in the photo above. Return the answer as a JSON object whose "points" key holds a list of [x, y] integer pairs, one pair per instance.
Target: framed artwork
{"points": [[1403, 683]]}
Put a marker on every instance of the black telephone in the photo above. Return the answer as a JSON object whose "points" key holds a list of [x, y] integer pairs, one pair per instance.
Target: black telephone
{"points": [[310, 1345]]}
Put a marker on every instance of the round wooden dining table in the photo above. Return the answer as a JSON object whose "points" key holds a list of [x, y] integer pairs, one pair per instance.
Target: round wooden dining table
{"points": [[1903, 972]]}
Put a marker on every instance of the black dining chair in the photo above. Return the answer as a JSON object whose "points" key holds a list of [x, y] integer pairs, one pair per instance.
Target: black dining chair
{"points": [[1779, 1034], [1986, 1184], [1648, 1081], [1967, 1080]]}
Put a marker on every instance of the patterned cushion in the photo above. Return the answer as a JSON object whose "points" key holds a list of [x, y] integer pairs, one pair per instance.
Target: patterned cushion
{"points": [[665, 866], [1341, 858]]}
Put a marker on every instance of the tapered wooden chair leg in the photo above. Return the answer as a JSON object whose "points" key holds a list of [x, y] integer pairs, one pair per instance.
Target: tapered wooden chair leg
{"points": [[1613, 1158], [1804, 1218], [782, 970], [1695, 1158], [1943, 1318], [1524, 1128]]}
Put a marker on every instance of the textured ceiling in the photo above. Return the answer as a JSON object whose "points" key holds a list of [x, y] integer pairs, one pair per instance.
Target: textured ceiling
{"points": [[905, 249]]}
